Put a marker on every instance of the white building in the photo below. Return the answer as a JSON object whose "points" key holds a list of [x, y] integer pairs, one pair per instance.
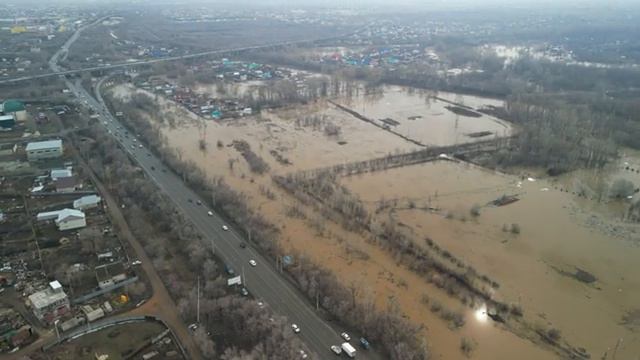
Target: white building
{"points": [[70, 219], [44, 149], [65, 219], [50, 303], [87, 202], [60, 173]]}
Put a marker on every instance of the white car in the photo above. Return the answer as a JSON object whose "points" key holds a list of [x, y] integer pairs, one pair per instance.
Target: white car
{"points": [[225, 228], [303, 354], [209, 213], [140, 146], [295, 328], [345, 336], [137, 262], [336, 349], [252, 262]]}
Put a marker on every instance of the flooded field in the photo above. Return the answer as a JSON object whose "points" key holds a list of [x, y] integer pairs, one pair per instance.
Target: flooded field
{"points": [[535, 268], [431, 118]]}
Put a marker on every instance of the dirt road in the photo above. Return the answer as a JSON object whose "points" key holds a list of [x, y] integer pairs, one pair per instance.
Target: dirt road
{"points": [[160, 305]]}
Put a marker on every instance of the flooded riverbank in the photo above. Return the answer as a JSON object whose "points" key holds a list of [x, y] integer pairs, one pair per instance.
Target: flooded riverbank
{"points": [[533, 266], [430, 117]]}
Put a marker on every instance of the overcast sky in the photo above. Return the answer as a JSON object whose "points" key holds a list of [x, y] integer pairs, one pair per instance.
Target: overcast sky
{"points": [[369, 4]]}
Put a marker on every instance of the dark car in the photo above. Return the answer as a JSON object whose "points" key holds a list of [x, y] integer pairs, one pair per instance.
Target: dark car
{"points": [[153, 168], [364, 343], [229, 270], [243, 245]]}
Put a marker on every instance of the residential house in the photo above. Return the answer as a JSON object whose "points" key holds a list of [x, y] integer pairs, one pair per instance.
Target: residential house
{"points": [[60, 173], [7, 122], [65, 184], [65, 219], [49, 304], [69, 219], [87, 202]]}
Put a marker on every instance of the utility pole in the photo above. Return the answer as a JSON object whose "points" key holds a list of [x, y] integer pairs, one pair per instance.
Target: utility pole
{"points": [[55, 324], [198, 303], [213, 246]]}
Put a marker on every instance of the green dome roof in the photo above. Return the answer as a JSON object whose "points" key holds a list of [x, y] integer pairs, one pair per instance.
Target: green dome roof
{"points": [[10, 106]]}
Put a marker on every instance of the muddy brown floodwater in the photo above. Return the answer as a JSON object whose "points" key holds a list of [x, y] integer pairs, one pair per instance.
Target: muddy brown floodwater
{"points": [[422, 115], [531, 267]]}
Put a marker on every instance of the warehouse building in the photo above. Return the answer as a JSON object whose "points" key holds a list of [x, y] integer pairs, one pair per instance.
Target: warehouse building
{"points": [[44, 150]]}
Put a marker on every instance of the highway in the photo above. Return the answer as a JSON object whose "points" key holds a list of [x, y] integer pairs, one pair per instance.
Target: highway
{"points": [[57, 71], [263, 281]]}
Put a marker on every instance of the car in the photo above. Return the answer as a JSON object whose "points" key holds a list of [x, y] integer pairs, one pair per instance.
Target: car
{"points": [[199, 202], [225, 228], [133, 146], [295, 328], [140, 146], [252, 262], [260, 304], [364, 343], [209, 213], [136, 262], [244, 292], [193, 327], [164, 170], [243, 245], [303, 354], [229, 270], [336, 349], [189, 200], [345, 336], [153, 167], [134, 140], [148, 154]]}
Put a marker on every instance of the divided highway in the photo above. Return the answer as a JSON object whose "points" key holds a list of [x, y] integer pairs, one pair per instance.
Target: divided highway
{"points": [[263, 280]]}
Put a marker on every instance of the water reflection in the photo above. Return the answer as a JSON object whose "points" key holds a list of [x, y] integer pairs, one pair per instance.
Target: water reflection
{"points": [[481, 314]]}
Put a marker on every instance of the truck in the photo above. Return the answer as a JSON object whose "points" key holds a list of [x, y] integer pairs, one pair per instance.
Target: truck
{"points": [[348, 349]]}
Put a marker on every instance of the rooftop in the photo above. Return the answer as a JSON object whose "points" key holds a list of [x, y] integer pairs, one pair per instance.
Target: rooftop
{"points": [[65, 213], [65, 182], [87, 200], [42, 145], [46, 297], [10, 106]]}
